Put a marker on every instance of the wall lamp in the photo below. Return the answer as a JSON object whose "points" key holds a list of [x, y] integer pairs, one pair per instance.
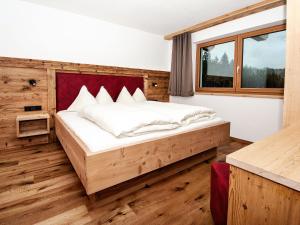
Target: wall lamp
{"points": [[154, 84], [32, 82]]}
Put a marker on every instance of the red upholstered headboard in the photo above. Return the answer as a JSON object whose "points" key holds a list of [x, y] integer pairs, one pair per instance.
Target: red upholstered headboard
{"points": [[69, 84]]}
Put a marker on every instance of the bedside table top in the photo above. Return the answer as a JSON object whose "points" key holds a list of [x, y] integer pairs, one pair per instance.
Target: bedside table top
{"points": [[33, 116]]}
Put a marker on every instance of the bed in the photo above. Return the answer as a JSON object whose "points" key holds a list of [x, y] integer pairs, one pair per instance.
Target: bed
{"points": [[100, 159]]}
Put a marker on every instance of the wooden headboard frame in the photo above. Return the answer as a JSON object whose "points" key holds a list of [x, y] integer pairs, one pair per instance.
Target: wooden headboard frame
{"points": [[53, 67], [68, 86]]}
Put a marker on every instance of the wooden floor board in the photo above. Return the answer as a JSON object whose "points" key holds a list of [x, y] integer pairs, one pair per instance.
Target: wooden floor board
{"points": [[39, 186], [48, 200]]}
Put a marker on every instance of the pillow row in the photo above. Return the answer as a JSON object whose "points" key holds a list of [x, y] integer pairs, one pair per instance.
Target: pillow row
{"points": [[85, 98]]}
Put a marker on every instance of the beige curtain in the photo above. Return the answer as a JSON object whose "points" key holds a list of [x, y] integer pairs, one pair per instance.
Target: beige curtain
{"points": [[181, 80]]}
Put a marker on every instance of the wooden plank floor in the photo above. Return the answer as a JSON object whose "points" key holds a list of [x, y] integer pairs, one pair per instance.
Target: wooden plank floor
{"points": [[39, 186]]}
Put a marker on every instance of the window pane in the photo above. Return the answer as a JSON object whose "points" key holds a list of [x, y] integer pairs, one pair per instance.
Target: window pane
{"points": [[264, 61], [217, 64]]}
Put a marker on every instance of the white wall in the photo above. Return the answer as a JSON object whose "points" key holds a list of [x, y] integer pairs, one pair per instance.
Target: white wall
{"points": [[33, 31], [251, 118]]}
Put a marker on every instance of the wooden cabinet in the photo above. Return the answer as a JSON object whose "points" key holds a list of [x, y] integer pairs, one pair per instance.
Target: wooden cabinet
{"points": [[256, 200], [265, 181], [291, 107], [32, 124]]}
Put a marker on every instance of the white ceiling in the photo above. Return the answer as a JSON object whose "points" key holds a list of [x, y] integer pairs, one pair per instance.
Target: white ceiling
{"points": [[154, 16]]}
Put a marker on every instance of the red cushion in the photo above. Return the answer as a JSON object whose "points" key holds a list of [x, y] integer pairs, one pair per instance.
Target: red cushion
{"points": [[68, 86], [219, 192]]}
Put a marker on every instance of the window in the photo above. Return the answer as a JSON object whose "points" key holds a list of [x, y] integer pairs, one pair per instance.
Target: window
{"points": [[217, 63], [253, 62]]}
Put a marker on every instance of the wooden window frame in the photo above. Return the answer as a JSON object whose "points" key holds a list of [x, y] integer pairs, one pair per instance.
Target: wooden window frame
{"points": [[198, 66], [238, 63]]}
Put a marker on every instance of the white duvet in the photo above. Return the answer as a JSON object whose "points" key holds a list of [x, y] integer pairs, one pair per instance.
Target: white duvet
{"points": [[180, 113], [124, 120], [140, 118]]}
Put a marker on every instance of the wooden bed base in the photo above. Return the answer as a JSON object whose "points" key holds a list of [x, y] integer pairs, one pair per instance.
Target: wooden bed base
{"points": [[98, 171]]}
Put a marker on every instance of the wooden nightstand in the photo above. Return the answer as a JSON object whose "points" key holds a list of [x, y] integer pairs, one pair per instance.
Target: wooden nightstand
{"points": [[33, 124]]}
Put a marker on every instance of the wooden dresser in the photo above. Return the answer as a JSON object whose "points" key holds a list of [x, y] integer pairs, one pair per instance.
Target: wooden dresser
{"points": [[265, 181]]}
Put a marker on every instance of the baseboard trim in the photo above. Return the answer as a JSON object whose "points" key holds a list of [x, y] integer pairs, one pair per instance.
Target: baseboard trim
{"points": [[241, 141]]}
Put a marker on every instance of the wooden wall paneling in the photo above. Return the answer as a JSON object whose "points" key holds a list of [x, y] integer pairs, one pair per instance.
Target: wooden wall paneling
{"points": [[159, 92], [291, 109], [51, 101], [8, 136], [16, 92], [84, 68], [256, 200]]}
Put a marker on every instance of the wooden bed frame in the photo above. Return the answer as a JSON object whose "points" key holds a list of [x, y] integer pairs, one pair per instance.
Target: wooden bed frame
{"points": [[98, 171]]}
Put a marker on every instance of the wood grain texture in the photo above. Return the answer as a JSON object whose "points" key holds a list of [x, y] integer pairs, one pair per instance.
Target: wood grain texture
{"points": [[77, 67], [241, 140], [132, 185], [32, 124], [39, 185], [74, 148], [291, 108], [132, 161], [229, 148], [276, 158], [258, 7], [159, 92], [51, 75], [99, 171], [15, 91], [268, 204], [32, 116]]}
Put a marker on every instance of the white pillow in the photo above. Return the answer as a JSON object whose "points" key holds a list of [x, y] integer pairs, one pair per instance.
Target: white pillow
{"points": [[125, 96], [139, 96], [103, 97], [84, 98]]}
